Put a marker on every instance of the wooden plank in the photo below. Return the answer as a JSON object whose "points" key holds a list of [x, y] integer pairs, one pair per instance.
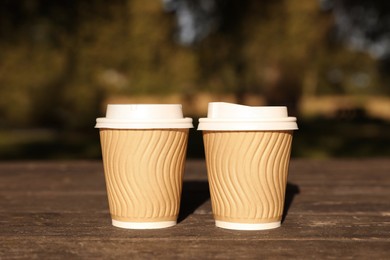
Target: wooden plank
{"points": [[107, 248], [300, 227], [336, 209]]}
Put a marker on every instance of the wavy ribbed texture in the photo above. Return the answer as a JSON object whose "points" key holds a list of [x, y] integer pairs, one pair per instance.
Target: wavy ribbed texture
{"points": [[247, 173], [144, 172]]}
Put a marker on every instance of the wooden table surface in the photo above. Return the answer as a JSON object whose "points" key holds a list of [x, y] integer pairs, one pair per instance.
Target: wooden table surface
{"points": [[335, 209]]}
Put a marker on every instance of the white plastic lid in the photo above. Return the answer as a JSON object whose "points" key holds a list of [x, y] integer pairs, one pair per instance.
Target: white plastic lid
{"points": [[232, 117], [144, 116]]}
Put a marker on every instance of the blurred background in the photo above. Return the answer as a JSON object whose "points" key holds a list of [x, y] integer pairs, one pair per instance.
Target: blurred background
{"points": [[62, 62]]}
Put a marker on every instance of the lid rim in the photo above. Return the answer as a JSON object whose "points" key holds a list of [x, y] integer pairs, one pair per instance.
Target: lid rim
{"points": [[152, 121], [243, 120], [248, 126], [144, 124]]}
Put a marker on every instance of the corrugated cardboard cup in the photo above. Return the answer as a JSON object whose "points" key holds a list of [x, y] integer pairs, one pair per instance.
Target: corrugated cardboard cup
{"points": [[144, 148], [247, 154]]}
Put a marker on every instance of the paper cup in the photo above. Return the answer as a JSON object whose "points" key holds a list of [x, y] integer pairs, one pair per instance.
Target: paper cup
{"points": [[143, 149], [247, 154]]}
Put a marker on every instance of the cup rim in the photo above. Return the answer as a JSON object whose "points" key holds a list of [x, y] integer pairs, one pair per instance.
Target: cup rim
{"points": [[247, 124], [103, 122]]}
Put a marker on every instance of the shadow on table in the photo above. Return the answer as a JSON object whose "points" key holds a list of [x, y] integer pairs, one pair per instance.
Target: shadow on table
{"points": [[291, 191], [194, 194]]}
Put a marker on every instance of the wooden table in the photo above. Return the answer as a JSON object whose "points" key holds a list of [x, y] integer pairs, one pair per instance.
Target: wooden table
{"points": [[335, 209]]}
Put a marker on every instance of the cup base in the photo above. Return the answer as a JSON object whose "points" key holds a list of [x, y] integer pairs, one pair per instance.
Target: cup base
{"points": [[247, 226], [143, 225]]}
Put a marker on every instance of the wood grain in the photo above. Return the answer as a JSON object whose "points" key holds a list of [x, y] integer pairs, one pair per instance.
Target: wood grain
{"points": [[335, 209]]}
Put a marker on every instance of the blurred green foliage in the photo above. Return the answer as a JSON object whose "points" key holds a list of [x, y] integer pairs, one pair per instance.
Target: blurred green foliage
{"points": [[61, 60]]}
